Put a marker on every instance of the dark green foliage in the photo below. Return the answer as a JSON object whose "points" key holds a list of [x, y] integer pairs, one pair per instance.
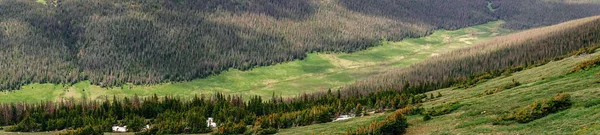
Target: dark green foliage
{"points": [[586, 65], [539, 109], [196, 122], [268, 131], [523, 14], [439, 13], [26, 125], [230, 128], [592, 103], [170, 122], [394, 124], [442, 109], [135, 123], [426, 118], [502, 88], [87, 130]]}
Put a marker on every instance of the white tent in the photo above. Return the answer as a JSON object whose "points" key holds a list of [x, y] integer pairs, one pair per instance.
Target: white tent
{"points": [[119, 129]]}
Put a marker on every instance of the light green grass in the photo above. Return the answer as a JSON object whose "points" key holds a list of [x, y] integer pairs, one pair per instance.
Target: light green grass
{"points": [[318, 72], [538, 83], [41, 1], [480, 110]]}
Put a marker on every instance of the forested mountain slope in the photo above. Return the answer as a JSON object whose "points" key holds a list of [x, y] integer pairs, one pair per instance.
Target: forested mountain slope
{"points": [[111, 42]]}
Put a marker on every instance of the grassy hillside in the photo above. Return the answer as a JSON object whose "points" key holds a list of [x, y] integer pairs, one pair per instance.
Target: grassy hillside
{"points": [[317, 72], [110, 42], [538, 83], [480, 110]]}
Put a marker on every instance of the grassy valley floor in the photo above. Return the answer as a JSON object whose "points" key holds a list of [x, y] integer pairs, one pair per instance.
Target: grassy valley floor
{"points": [[318, 72]]}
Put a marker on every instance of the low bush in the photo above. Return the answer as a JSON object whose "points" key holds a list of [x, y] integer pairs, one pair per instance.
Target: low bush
{"points": [[87, 130], [442, 109], [268, 131], [26, 125], [231, 128], [538, 109], [426, 118], [502, 88], [586, 65], [592, 103], [394, 124]]}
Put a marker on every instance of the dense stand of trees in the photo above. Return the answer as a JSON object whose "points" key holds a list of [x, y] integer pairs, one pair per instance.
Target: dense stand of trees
{"points": [[442, 14], [171, 115], [504, 54], [524, 14], [111, 42]]}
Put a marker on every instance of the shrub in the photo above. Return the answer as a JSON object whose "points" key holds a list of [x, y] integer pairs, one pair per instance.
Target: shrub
{"points": [[268, 131], [26, 125], [426, 118], [196, 123], [135, 123], [502, 88], [231, 128], [87, 130], [393, 124], [539, 109], [443, 109], [592, 103], [586, 65]]}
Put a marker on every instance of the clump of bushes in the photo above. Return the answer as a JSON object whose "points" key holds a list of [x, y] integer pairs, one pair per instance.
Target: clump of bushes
{"points": [[586, 65], [592, 103], [26, 125], [539, 109], [262, 131], [87, 130], [135, 123], [502, 88], [443, 109], [394, 124], [230, 128], [426, 118]]}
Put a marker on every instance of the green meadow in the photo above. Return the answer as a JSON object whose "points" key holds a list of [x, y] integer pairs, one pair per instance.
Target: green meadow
{"points": [[480, 110], [318, 72]]}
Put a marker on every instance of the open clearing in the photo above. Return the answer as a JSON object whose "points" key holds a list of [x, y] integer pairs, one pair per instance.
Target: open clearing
{"points": [[318, 72], [479, 110]]}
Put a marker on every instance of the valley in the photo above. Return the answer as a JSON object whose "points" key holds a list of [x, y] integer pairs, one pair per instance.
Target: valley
{"points": [[317, 72], [299, 67]]}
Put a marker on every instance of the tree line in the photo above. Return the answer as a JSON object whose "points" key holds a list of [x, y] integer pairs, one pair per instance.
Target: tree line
{"points": [[173, 115]]}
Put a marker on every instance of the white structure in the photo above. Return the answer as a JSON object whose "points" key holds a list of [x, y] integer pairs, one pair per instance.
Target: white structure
{"points": [[119, 129], [146, 127], [210, 123], [343, 117]]}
